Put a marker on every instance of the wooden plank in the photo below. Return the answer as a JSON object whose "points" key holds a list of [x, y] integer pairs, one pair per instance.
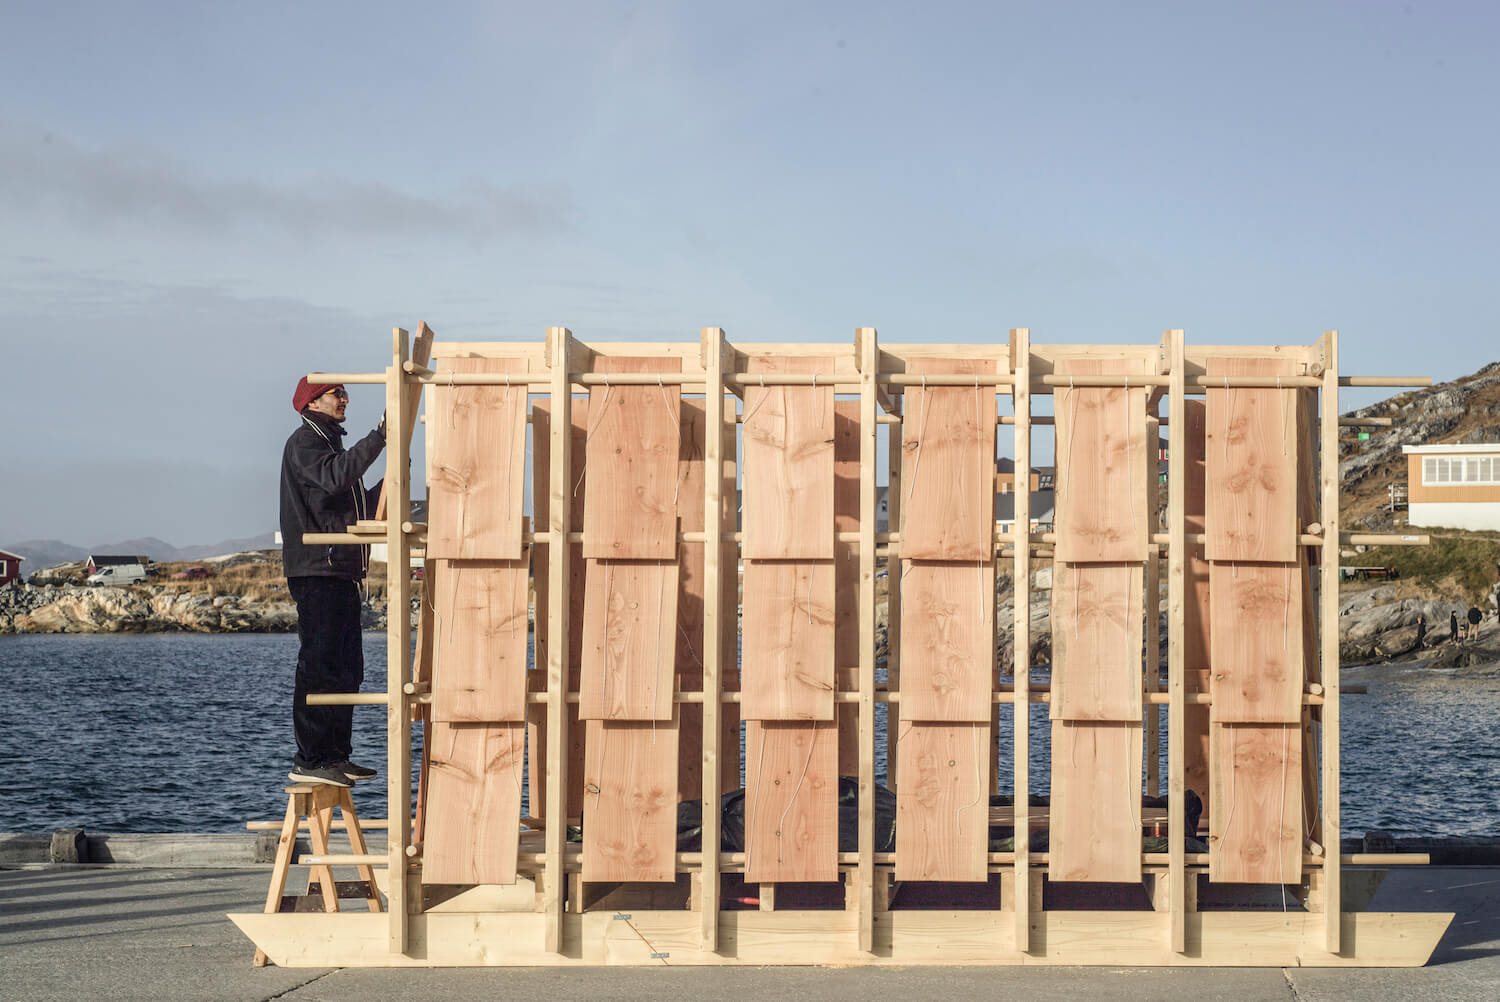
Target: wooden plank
{"points": [[559, 586], [1328, 636], [688, 660], [1251, 464], [481, 615], [398, 649], [1257, 642], [541, 459], [1255, 835], [846, 577], [788, 440], [476, 470], [788, 667], [629, 640], [718, 620], [630, 510], [1025, 904], [1096, 641], [1101, 444], [947, 641], [730, 765], [907, 937], [1096, 801], [867, 356], [630, 801], [1195, 769], [942, 804], [1153, 610], [1176, 932], [1196, 606], [948, 511], [421, 354], [791, 806], [474, 803]]}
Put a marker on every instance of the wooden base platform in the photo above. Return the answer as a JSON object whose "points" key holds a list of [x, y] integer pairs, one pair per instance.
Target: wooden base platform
{"points": [[1113, 939]]}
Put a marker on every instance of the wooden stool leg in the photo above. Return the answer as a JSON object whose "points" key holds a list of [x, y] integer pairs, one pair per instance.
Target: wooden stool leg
{"points": [[279, 868], [320, 820], [357, 845]]}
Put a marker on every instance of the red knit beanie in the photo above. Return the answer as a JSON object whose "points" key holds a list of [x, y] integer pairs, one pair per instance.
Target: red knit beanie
{"points": [[308, 392]]}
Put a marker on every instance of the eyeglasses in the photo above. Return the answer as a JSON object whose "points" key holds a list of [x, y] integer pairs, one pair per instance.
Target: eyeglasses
{"points": [[340, 393]]}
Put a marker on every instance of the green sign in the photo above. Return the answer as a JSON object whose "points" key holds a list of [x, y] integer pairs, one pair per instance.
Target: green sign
{"points": [[1364, 436]]}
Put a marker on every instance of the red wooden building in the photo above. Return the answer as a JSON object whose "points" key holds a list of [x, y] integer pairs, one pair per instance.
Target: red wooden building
{"points": [[10, 567]]}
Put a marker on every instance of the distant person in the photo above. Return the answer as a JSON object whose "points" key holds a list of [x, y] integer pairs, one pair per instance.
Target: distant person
{"points": [[1421, 631], [1475, 618], [1453, 627], [321, 491]]}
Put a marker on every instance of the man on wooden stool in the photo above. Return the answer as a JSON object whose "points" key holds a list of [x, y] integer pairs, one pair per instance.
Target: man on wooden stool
{"points": [[321, 491]]}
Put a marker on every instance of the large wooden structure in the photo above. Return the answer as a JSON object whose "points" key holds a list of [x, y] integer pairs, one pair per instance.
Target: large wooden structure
{"points": [[633, 702]]}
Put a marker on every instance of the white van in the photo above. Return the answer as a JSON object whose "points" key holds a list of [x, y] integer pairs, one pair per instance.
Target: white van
{"points": [[118, 574]]}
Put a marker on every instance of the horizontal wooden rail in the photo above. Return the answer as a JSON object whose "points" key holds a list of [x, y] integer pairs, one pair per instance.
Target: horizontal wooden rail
{"points": [[345, 859], [305, 825]]}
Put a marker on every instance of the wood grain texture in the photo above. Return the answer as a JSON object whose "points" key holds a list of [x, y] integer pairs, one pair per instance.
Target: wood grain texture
{"points": [[1096, 801], [787, 669], [541, 452], [1255, 833], [846, 575], [631, 450], [629, 640], [630, 801], [481, 630], [473, 803], [948, 508], [1097, 633], [947, 641], [1195, 612], [788, 442], [1257, 642], [476, 467], [688, 661], [1101, 448], [942, 803], [1196, 771], [791, 801], [1251, 464]]}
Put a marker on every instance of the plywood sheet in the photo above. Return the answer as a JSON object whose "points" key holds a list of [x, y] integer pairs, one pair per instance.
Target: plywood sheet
{"points": [[787, 668], [477, 464], [1101, 513], [788, 442], [473, 803], [948, 512], [1257, 642], [689, 641], [1255, 831], [541, 452], [630, 801], [1196, 771], [1251, 463], [791, 801], [632, 453], [480, 620], [1097, 637], [947, 640], [1096, 802], [942, 802], [629, 640]]}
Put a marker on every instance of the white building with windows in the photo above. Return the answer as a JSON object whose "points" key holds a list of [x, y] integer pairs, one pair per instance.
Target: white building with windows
{"points": [[1453, 486]]}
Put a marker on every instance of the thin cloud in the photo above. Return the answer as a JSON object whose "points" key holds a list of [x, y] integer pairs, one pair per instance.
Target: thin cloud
{"points": [[141, 186]]}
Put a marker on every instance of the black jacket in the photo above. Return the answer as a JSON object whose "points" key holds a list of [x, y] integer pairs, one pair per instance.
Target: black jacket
{"points": [[321, 492]]}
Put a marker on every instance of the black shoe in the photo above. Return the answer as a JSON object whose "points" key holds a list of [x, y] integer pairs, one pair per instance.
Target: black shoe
{"points": [[327, 775], [353, 771]]}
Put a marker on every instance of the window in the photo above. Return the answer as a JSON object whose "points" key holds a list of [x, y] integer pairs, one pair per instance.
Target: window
{"points": [[4, 568], [1460, 470]]}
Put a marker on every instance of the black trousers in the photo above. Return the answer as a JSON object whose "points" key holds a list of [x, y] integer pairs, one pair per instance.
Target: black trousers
{"points": [[329, 660]]}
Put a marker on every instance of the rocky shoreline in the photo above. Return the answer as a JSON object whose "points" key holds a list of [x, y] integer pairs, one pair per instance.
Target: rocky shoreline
{"points": [[1375, 625]]}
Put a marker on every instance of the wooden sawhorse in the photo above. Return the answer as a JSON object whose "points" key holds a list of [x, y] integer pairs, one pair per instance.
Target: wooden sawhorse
{"points": [[316, 803]]}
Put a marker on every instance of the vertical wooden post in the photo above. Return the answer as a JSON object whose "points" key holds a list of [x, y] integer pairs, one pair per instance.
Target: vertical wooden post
{"points": [[713, 650], [1153, 610], [560, 509], [1021, 668], [867, 354], [398, 639], [1177, 474], [893, 599], [1328, 626]]}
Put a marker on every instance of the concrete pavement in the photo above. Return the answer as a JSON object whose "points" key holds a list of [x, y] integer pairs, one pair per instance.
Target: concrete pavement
{"points": [[77, 932]]}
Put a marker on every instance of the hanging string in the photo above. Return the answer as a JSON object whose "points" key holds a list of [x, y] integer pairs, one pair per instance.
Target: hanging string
{"points": [[1284, 409], [677, 427], [745, 423], [1281, 816], [917, 461], [958, 827], [589, 437], [760, 776]]}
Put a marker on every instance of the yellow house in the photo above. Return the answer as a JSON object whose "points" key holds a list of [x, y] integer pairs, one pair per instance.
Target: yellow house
{"points": [[1457, 486]]}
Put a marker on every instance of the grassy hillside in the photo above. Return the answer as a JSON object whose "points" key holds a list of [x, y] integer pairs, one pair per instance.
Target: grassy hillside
{"points": [[1458, 565]]}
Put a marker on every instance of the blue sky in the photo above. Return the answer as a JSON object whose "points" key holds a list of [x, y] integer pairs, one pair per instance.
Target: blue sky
{"points": [[203, 201]]}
